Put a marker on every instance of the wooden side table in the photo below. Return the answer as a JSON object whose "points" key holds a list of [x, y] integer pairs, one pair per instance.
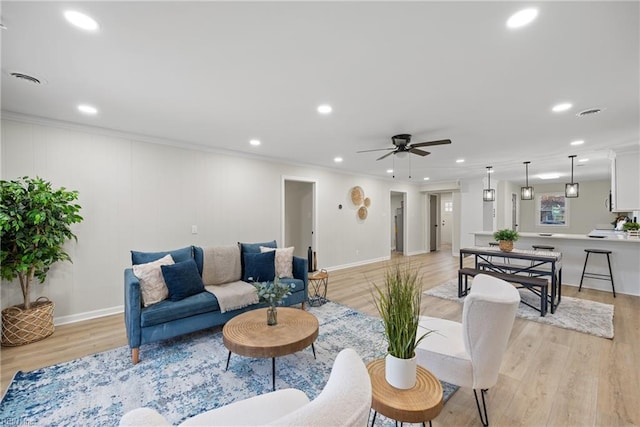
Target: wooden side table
{"points": [[318, 281], [419, 404]]}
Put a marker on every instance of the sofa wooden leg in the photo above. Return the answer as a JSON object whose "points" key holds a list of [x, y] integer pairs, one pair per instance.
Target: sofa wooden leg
{"points": [[304, 304], [135, 355]]}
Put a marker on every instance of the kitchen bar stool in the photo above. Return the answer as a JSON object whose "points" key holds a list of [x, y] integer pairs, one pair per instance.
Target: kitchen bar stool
{"points": [[598, 276]]}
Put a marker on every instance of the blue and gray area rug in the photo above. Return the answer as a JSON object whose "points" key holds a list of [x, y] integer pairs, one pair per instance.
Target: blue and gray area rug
{"points": [[183, 377]]}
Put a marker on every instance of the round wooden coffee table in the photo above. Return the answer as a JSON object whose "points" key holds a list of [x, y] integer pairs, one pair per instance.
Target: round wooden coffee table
{"points": [[249, 335], [419, 404]]}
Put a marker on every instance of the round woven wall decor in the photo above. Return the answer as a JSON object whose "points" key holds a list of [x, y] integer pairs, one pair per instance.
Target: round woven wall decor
{"points": [[367, 202], [357, 195], [362, 213]]}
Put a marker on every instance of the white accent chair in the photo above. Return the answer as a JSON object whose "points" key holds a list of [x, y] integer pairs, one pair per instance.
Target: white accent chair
{"points": [[344, 401], [469, 354]]}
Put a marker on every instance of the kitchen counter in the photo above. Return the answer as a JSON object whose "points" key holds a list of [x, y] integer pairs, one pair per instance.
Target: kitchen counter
{"points": [[608, 235], [625, 257]]}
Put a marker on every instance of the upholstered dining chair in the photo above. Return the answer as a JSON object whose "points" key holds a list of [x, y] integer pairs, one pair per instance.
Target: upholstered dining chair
{"points": [[469, 354]]}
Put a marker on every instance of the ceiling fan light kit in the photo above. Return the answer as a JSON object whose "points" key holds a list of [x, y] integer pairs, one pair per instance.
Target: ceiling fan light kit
{"points": [[402, 145], [489, 194]]}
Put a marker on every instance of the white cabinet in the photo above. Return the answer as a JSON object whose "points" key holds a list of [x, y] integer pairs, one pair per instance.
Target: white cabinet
{"points": [[625, 182]]}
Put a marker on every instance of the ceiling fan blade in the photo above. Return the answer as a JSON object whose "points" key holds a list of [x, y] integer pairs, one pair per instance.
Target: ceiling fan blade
{"points": [[377, 149], [419, 152], [386, 155], [428, 143]]}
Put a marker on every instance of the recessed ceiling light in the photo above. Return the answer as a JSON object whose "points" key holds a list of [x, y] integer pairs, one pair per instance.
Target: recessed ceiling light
{"points": [[81, 20], [426, 178], [337, 159], [87, 109], [577, 142], [325, 109], [255, 142], [460, 161], [389, 170], [522, 18], [561, 107], [549, 176], [583, 160]]}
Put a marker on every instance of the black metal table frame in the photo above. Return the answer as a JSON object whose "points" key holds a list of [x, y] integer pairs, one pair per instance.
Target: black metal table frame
{"points": [[273, 367], [485, 256]]}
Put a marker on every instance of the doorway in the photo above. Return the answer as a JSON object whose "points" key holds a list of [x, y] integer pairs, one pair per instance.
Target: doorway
{"points": [[398, 222], [515, 212], [298, 219]]}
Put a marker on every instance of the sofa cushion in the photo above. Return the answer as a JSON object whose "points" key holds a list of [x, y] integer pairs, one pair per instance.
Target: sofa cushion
{"points": [[152, 286], [182, 279], [284, 260], [221, 264], [167, 311], [178, 255], [259, 267], [298, 284]]}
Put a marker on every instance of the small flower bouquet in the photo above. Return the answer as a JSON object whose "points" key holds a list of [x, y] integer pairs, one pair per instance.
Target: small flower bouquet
{"points": [[273, 292]]}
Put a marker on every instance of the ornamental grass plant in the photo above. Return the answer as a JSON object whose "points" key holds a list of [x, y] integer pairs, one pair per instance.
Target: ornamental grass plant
{"points": [[398, 303]]}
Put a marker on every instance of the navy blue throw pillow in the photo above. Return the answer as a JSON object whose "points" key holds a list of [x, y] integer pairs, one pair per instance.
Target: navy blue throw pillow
{"points": [[252, 248], [182, 279], [178, 255], [259, 267]]}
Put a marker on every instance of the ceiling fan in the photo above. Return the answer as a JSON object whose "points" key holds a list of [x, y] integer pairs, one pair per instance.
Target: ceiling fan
{"points": [[402, 144]]}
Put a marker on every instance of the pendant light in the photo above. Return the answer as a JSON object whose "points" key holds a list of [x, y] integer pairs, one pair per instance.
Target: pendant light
{"points": [[489, 194], [571, 189], [526, 192]]}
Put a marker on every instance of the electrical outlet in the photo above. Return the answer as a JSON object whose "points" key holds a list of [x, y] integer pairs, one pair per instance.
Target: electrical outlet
{"points": [[194, 229]]}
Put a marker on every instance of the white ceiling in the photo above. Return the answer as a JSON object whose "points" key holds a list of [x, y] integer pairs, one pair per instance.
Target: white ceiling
{"points": [[217, 74]]}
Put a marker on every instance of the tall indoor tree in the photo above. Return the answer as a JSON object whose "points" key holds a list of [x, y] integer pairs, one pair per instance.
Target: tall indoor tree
{"points": [[35, 223]]}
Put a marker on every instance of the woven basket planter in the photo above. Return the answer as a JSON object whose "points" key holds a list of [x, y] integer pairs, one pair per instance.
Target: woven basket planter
{"points": [[20, 326], [505, 245]]}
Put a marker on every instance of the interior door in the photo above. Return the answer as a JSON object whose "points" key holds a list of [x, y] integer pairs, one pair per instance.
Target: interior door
{"points": [[433, 220]]}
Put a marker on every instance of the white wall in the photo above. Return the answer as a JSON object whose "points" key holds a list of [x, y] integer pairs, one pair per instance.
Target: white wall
{"points": [[585, 212], [144, 196]]}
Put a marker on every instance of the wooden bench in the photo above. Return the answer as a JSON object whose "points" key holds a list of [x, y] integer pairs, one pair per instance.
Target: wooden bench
{"points": [[536, 285], [513, 269]]}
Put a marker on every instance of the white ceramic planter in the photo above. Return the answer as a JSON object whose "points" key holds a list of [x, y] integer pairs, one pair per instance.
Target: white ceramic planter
{"points": [[400, 373]]}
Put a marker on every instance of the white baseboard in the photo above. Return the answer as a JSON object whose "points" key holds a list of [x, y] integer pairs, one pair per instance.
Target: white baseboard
{"points": [[357, 264], [63, 320]]}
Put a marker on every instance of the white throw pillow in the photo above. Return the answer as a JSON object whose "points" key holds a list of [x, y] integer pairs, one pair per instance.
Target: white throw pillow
{"points": [[152, 284], [283, 260]]}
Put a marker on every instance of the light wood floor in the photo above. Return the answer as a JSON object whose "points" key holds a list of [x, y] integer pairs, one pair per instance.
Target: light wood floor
{"points": [[550, 376]]}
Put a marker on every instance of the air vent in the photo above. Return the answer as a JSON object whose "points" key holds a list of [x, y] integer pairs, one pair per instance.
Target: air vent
{"points": [[26, 77], [589, 112]]}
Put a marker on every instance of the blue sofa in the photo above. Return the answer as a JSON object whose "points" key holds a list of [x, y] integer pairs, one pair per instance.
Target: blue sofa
{"points": [[167, 319]]}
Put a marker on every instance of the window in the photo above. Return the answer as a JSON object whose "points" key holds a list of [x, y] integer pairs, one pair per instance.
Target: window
{"points": [[552, 210], [448, 206]]}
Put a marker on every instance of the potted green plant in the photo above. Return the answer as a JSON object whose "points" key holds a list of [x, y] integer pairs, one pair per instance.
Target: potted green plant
{"points": [[398, 303], [632, 228], [35, 222], [505, 239], [272, 293]]}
